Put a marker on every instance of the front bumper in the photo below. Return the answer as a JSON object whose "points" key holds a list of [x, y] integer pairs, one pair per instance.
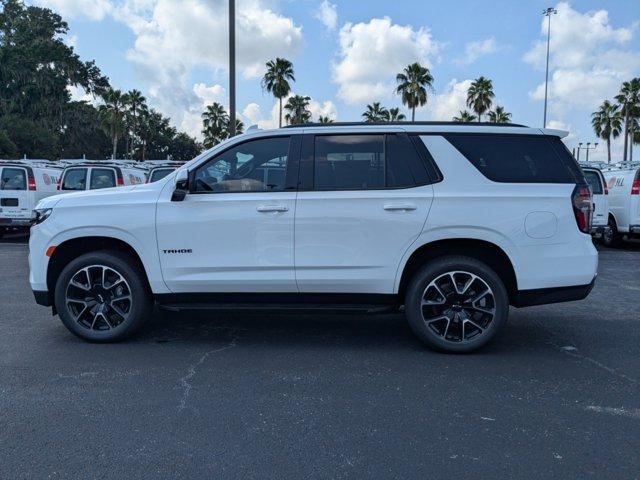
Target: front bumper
{"points": [[15, 222], [543, 296]]}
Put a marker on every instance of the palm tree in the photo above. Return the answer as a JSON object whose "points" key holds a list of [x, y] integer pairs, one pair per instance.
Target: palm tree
{"points": [[499, 115], [276, 80], [607, 123], [297, 108], [629, 100], [413, 83], [395, 115], [135, 103], [375, 113], [465, 116], [480, 96], [215, 122], [112, 114], [324, 119]]}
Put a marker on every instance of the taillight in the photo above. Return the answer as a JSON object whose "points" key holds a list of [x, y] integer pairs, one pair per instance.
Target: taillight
{"points": [[120, 182], [606, 188], [59, 183], [582, 207], [32, 182], [635, 187]]}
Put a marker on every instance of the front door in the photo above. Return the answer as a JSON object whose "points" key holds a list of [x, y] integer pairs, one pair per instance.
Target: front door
{"points": [[365, 202], [233, 232]]}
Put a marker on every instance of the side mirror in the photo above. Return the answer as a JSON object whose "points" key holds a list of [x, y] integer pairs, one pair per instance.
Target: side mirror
{"points": [[181, 186]]}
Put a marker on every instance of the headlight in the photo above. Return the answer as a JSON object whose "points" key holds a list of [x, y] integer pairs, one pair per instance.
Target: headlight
{"points": [[41, 214]]}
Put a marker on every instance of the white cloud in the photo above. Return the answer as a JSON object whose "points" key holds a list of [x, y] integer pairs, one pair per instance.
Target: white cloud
{"points": [[252, 112], [447, 104], [325, 109], [92, 9], [372, 53], [327, 13], [588, 61], [474, 50]]}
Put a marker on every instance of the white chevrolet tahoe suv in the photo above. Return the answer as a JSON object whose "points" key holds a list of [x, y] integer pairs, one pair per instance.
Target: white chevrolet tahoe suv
{"points": [[451, 223]]}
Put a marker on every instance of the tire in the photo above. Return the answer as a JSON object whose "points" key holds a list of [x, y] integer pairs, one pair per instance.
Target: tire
{"points": [[614, 238], [468, 319], [95, 306]]}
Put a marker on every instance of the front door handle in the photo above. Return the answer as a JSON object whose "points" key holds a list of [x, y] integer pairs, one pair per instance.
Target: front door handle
{"points": [[400, 206], [272, 208]]}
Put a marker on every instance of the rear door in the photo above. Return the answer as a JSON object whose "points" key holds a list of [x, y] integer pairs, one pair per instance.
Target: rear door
{"points": [[363, 201], [14, 194], [600, 201], [102, 178], [74, 179]]}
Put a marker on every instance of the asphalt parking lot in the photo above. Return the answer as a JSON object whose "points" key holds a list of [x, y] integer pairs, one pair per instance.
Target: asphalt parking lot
{"points": [[253, 396]]}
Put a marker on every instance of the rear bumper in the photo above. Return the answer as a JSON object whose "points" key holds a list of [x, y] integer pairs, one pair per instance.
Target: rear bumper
{"points": [[634, 228], [543, 296], [42, 298], [599, 229]]}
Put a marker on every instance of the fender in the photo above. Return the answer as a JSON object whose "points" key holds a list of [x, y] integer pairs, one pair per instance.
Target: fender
{"points": [[458, 233]]}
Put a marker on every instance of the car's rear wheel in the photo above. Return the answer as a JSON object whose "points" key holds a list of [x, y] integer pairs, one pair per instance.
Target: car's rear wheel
{"points": [[103, 296], [456, 304]]}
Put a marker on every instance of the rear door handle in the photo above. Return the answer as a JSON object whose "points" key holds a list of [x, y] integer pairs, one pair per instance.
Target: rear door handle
{"points": [[400, 206], [272, 208]]}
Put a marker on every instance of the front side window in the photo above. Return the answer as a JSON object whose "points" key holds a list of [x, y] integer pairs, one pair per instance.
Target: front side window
{"points": [[593, 180], [75, 179], [13, 179], [518, 158], [102, 178], [255, 166]]}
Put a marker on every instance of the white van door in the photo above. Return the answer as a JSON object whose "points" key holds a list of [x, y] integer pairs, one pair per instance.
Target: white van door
{"points": [[600, 201], [74, 179], [14, 195]]}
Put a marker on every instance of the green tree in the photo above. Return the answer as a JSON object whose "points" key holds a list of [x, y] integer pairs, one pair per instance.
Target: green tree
{"points": [[8, 149], [607, 123], [183, 147], [276, 81], [499, 115], [215, 121], [395, 115], [112, 112], [480, 96], [465, 116], [136, 102], [413, 84], [297, 108], [324, 119], [375, 113], [629, 100], [82, 133]]}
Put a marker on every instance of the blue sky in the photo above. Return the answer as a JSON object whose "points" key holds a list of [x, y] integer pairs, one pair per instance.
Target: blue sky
{"points": [[346, 53]]}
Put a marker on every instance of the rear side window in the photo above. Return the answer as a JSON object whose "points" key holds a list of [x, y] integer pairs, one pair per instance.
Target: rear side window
{"points": [[75, 179], [159, 174], [102, 178], [13, 179], [519, 158], [593, 180]]}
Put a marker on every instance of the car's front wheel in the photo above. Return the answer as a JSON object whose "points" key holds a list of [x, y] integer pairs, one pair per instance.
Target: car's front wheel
{"points": [[103, 296], [456, 304]]}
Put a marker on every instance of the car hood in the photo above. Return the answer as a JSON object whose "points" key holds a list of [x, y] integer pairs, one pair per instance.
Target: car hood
{"points": [[103, 196]]}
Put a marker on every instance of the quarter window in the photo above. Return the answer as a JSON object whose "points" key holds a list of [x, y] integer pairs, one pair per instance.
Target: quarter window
{"points": [[75, 179], [255, 166], [13, 179], [102, 178]]}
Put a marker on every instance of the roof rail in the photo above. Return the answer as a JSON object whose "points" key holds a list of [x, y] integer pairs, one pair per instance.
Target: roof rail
{"points": [[31, 163], [364, 124]]}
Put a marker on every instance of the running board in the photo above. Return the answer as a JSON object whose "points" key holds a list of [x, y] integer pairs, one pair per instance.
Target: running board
{"points": [[282, 307]]}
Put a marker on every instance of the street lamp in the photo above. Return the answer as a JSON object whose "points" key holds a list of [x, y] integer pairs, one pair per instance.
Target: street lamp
{"points": [[232, 68], [547, 13], [587, 148]]}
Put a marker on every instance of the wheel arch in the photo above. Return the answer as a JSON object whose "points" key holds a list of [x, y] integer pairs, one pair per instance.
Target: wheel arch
{"points": [[488, 252]]}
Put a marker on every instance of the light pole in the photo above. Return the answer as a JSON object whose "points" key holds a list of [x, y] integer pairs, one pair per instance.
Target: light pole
{"points": [[232, 68], [587, 148], [548, 12]]}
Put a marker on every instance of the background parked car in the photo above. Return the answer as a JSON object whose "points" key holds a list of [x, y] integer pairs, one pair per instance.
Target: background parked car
{"points": [[96, 175], [160, 169], [595, 179], [623, 181], [23, 183]]}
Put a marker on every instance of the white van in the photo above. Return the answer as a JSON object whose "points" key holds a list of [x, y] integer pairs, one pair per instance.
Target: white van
{"points": [[600, 192], [623, 181], [94, 176], [23, 183], [160, 169]]}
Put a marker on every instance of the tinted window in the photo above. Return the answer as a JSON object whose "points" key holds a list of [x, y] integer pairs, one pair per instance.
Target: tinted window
{"points": [[102, 178], [159, 174], [405, 168], [75, 179], [349, 162], [255, 166], [593, 179], [517, 158], [13, 179]]}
